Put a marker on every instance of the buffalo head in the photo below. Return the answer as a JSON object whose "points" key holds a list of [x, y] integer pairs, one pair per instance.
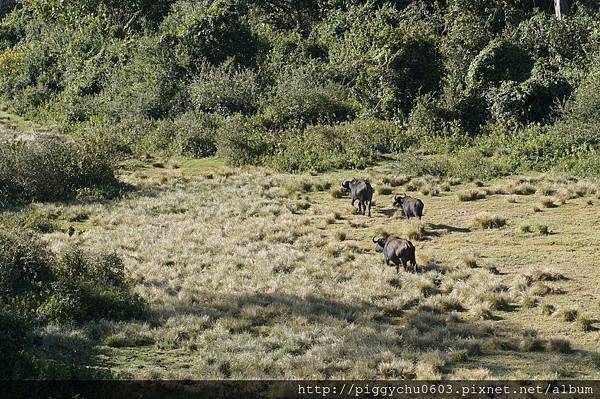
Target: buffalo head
{"points": [[345, 188], [379, 243], [399, 200]]}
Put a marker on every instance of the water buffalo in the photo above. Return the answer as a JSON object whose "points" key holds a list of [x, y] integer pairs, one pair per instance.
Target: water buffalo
{"points": [[410, 206], [361, 191], [398, 251]]}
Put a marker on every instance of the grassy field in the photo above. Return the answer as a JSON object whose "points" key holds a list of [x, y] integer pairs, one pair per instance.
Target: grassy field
{"points": [[254, 274]]}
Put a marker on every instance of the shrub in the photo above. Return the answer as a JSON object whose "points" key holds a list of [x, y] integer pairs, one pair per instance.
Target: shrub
{"points": [[489, 221], [500, 61], [25, 265], [559, 345], [89, 287], [319, 148], [304, 95], [51, 169], [244, 141], [225, 90], [191, 134], [15, 337], [470, 195]]}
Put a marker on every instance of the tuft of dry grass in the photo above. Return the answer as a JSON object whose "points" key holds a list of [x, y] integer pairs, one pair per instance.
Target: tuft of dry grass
{"points": [[547, 275], [395, 181], [486, 220], [416, 232], [547, 202], [558, 345], [340, 236], [584, 323], [470, 261], [547, 309], [525, 228], [530, 343], [384, 190], [567, 314], [336, 193], [482, 311], [520, 188], [470, 195], [562, 198], [477, 374]]}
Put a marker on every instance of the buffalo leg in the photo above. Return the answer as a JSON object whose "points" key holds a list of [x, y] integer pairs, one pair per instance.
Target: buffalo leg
{"points": [[404, 265], [369, 208]]}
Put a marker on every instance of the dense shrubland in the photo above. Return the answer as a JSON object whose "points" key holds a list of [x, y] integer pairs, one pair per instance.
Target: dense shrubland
{"points": [[316, 84], [38, 287]]}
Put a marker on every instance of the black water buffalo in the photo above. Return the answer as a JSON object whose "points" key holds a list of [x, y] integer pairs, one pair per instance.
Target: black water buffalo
{"points": [[361, 191], [410, 206], [398, 251]]}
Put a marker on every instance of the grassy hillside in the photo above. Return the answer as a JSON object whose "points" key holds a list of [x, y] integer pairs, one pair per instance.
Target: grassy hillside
{"points": [[169, 188], [250, 274]]}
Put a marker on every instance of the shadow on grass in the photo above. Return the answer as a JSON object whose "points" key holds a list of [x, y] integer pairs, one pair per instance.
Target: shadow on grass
{"points": [[408, 330], [449, 229]]}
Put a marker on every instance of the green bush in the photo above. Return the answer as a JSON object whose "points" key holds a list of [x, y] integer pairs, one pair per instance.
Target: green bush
{"points": [[534, 100], [500, 61], [323, 147], [89, 287], [208, 31], [391, 56], [244, 141], [15, 338], [304, 95], [76, 287], [225, 90], [25, 265], [51, 169], [193, 133]]}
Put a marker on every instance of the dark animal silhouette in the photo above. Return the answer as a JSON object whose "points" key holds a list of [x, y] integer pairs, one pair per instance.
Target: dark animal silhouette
{"points": [[397, 251], [361, 191], [410, 206]]}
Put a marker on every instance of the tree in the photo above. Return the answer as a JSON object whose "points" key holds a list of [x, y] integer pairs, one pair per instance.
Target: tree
{"points": [[561, 8]]}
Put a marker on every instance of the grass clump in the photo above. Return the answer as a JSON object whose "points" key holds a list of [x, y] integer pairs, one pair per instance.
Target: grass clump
{"points": [[547, 202], [525, 228], [567, 314], [470, 195], [542, 230], [584, 323], [470, 261], [384, 190], [416, 232], [547, 309], [558, 345], [340, 236], [486, 220], [336, 193]]}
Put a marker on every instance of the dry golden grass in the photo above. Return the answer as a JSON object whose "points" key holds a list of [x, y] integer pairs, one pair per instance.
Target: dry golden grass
{"points": [[254, 274], [471, 195]]}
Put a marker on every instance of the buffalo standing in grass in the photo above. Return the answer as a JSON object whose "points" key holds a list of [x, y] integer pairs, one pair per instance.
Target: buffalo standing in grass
{"points": [[398, 251], [410, 206], [361, 191]]}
